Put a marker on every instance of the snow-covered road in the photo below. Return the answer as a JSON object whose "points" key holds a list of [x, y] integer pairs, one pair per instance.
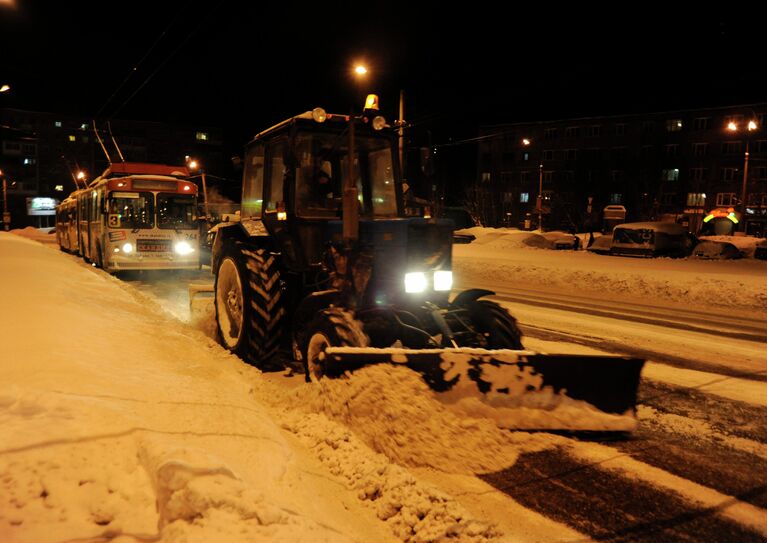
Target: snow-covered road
{"points": [[110, 405]]}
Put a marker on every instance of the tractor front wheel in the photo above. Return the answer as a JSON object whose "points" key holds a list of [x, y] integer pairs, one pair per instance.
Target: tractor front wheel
{"points": [[496, 324], [332, 327]]}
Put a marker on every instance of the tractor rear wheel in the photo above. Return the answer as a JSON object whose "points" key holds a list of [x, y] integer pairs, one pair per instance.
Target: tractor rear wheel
{"points": [[496, 324], [331, 327], [248, 303]]}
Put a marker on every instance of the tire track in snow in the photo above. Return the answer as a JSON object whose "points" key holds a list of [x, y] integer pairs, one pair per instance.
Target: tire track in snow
{"points": [[610, 505]]}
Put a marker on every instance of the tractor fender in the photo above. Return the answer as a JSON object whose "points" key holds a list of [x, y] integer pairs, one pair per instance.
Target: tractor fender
{"points": [[308, 308], [238, 231], [471, 295]]}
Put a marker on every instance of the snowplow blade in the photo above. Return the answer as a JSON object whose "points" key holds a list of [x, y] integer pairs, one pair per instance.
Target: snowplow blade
{"points": [[506, 378]]}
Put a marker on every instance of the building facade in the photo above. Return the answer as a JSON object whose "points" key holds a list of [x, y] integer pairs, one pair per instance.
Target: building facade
{"points": [[41, 153], [684, 166]]}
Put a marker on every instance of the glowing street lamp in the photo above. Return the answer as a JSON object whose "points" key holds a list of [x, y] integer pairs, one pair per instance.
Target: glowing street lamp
{"points": [[749, 128], [5, 88]]}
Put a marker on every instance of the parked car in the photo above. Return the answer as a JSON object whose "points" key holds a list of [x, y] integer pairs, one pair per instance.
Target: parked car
{"points": [[651, 239], [716, 250], [552, 240]]}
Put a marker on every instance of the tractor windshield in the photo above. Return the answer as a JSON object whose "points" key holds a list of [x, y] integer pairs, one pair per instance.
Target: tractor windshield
{"points": [[323, 168]]}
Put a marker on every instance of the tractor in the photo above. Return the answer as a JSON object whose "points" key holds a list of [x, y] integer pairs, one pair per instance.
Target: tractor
{"points": [[326, 266]]}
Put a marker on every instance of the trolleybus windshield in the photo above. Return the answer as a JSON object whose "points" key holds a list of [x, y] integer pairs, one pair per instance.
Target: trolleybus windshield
{"points": [[175, 211], [131, 210]]}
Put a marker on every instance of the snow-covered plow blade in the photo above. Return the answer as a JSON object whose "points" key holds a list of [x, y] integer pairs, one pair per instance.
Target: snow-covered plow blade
{"points": [[508, 379]]}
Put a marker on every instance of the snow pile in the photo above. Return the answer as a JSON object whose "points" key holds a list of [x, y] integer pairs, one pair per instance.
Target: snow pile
{"points": [[395, 413], [43, 235], [415, 512]]}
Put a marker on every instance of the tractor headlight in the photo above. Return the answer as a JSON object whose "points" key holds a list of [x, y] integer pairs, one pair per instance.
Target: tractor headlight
{"points": [[127, 248], [415, 282], [183, 248], [443, 280]]}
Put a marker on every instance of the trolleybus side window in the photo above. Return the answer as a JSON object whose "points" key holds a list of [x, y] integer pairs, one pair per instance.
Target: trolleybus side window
{"points": [[131, 210], [175, 211]]}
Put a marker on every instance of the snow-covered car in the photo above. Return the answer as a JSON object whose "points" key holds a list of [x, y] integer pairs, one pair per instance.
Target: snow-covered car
{"points": [[716, 250], [651, 239], [552, 240]]}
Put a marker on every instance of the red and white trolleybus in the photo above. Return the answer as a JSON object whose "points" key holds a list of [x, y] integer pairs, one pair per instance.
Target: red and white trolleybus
{"points": [[135, 216]]}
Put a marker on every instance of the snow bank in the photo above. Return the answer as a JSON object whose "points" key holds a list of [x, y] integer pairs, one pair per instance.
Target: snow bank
{"points": [[118, 420]]}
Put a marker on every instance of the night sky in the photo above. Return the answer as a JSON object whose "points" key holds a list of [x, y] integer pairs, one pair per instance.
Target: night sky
{"points": [[246, 68]]}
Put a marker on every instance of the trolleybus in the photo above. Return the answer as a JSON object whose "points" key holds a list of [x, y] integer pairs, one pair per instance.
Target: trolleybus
{"points": [[135, 216]]}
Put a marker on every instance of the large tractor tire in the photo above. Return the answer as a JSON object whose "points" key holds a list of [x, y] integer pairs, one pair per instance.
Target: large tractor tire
{"points": [[248, 301], [331, 327], [496, 324]]}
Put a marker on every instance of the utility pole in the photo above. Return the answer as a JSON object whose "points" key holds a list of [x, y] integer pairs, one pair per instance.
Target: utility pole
{"points": [[6, 215], [540, 196], [401, 131]]}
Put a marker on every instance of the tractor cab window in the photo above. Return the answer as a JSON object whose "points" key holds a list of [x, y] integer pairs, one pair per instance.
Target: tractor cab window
{"points": [[276, 181], [253, 182], [318, 177], [323, 170]]}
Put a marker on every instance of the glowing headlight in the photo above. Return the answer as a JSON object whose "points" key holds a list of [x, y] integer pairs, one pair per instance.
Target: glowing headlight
{"points": [[415, 282], [443, 280], [183, 248], [127, 247]]}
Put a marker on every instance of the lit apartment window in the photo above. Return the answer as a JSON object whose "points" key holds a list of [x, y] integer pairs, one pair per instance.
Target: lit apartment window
{"points": [[84, 127], [699, 149], [724, 199], [524, 197], [57, 124], [29, 162], [696, 198], [72, 138], [202, 136], [701, 123], [59, 188], [673, 125], [485, 177], [670, 174], [525, 156], [616, 198]]}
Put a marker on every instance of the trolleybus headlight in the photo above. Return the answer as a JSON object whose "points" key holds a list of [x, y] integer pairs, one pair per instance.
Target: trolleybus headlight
{"points": [[415, 282], [127, 247], [183, 248], [443, 280]]}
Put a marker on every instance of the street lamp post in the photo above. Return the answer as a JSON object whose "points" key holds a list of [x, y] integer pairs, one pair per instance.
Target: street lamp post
{"points": [[526, 142], [750, 127], [6, 216], [194, 165]]}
